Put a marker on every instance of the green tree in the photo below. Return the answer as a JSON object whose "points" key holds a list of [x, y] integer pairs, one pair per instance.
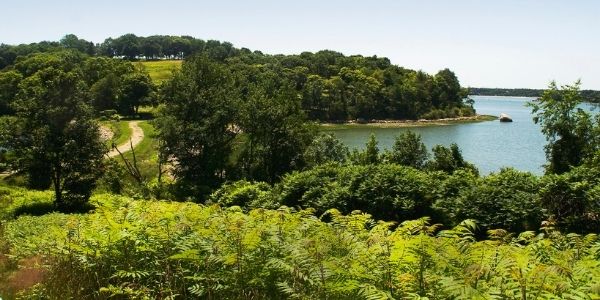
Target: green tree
{"points": [[55, 138], [71, 41], [9, 86], [568, 128], [105, 92], [127, 45], [408, 150], [135, 91], [196, 128], [369, 155], [325, 148], [448, 159], [275, 130], [386, 191], [449, 92]]}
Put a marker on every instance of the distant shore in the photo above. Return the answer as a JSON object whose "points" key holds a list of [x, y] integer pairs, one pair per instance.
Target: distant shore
{"points": [[406, 123]]}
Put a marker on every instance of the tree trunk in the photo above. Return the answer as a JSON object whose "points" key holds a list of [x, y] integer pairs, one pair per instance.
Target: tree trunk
{"points": [[58, 199]]}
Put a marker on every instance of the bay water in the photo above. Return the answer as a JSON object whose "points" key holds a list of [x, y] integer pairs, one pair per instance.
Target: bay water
{"points": [[490, 145]]}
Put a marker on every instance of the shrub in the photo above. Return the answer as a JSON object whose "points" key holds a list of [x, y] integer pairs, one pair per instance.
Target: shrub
{"points": [[387, 191], [157, 250], [506, 200], [243, 193]]}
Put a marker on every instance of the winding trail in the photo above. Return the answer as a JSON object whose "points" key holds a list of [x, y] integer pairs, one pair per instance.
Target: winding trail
{"points": [[137, 136]]}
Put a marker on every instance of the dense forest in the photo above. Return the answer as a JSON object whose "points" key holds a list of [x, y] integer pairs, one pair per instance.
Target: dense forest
{"points": [[588, 95], [331, 86], [234, 193]]}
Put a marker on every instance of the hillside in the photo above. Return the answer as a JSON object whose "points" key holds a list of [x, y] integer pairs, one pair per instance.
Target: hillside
{"points": [[160, 70], [332, 86]]}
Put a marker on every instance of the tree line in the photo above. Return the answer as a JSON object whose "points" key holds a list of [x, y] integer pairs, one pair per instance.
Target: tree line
{"points": [[332, 86], [109, 84], [587, 95]]}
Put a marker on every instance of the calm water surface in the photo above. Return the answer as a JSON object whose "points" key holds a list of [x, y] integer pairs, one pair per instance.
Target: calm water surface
{"points": [[489, 145]]}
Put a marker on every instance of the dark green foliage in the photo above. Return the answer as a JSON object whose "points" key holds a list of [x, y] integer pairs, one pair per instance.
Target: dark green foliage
{"points": [[274, 128], [569, 130], [9, 54], [243, 193], [110, 83], [447, 87], [389, 192], [572, 199], [504, 200], [371, 152], [9, 86], [54, 137], [135, 89], [196, 128], [71, 41], [369, 155], [408, 150], [448, 159], [331, 86], [104, 93], [325, 148]]}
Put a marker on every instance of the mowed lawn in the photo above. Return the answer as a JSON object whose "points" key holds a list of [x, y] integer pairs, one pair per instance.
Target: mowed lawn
{"points": [[160, 70]]}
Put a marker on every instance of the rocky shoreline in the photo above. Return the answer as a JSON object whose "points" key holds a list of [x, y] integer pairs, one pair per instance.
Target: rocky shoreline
{"points": [[406, 123]]}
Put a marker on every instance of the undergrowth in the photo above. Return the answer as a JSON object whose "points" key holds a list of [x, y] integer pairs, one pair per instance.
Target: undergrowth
{"points": [[168, 250]]}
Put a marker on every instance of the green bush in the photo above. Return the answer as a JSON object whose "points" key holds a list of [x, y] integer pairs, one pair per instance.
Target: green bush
{"points": [[387, 191], [243, 193], [504, 200], [572, 199]]}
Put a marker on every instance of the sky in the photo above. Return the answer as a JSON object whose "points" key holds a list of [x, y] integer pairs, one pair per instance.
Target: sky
{"points": [[509, 43]]}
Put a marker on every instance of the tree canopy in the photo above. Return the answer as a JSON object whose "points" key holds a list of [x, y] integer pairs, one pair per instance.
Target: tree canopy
{"points": [[568, 128]]}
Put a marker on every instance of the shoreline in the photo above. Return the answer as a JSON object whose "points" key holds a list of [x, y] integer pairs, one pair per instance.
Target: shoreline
{"points": [[407, 123]]}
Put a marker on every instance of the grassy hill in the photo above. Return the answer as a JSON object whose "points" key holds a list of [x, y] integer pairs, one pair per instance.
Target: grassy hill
{"points": [[160, 70]]}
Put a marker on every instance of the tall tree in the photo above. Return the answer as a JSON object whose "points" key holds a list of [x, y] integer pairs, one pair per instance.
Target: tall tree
{"points": [[408, 150], [55, 138], [196, 127], [71, 41], [569, 129], [9, 82], [274, 125], [134, 91], [449, 159], [369, 155], [325, 148]]}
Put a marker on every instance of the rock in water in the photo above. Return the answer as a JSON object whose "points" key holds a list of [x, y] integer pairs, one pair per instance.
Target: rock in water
{"points": [[505, 118]]}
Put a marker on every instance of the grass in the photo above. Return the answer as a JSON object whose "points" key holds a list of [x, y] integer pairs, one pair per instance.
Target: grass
{"points": [[341, 126], [146, 152], [121, 132], [160, 70]]}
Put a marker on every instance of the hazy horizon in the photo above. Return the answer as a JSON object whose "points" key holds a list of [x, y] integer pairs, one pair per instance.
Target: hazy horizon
{"points": [[513, 44]]}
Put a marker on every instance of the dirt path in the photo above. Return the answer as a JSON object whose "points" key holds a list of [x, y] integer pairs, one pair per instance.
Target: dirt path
{"points": [[137, 135]]}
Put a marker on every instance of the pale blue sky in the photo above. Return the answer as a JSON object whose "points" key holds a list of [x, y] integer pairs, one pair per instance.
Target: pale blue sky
{"points": [[487, 43]]}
